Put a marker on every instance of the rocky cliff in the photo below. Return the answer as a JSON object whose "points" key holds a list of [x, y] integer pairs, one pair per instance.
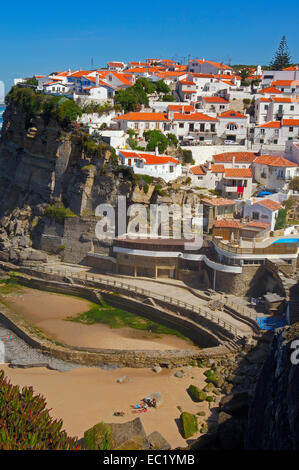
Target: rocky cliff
{"points": [[44, 163], [273, 419]]}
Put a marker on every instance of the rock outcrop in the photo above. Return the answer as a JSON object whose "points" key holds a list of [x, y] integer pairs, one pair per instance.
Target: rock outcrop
{"points": [[273, 420]]}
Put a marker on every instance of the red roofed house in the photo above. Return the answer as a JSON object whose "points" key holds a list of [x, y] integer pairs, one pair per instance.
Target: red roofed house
{"points": [[186, 89], [159, 166], [198, 126], [234, 159], [209, 66], [216, 208], [207, 176], [264, 210], [141, 122], [116, 66], [214, 104], [237, 183], [274, 172], [233, 126]]}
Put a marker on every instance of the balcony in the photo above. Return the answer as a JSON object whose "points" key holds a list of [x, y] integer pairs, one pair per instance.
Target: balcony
{"points": [[230, 189]]}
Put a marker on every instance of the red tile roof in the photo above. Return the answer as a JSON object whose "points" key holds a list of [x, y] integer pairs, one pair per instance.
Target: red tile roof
{"points": [[272, 124], [217, 168], [238, 173], [265, 100], [240, 157], [273, 160], [232, 114], [142, 117], [270, 89], [215, 99], [286, 83], [179, 107], [193, 117], [290, 122], [218, 201], [272, 205], [150, 159], [216, 64], [227, 224], [257, 224], [197, 170]]}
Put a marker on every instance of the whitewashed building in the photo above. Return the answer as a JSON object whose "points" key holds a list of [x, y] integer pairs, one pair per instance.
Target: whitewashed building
{"points": [[157, 166], [233, 126], [274, 172]]}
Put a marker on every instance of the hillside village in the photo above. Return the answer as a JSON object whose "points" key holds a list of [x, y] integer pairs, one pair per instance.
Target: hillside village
{"points": [[226, 137]]}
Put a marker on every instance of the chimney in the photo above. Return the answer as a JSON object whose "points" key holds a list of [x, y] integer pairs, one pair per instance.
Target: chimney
{"points": [[156, 150], [97, 79]]}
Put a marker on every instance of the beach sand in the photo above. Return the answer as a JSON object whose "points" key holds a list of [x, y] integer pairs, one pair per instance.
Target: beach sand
{"points": [[83, 397], [47, 311]]}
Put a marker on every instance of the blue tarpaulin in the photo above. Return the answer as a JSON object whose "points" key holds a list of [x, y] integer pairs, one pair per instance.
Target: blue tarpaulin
{"points": [[270, 323], [264, 193]]}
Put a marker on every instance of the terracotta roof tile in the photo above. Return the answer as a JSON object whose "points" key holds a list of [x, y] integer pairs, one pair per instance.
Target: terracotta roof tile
{"points": [[142, 117], [218, 201], [227, 224], [240, 157], [197, 170], [272, 205], [274, 160], [238, 173]]}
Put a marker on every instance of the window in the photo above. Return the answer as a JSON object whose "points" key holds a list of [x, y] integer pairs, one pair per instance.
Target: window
{"points": [[157, 125], [136, 125], [261, 141], [266, 106], [212, 127], [291, 129], [262, 131], [181, 125], [255, 215], [232, 126], [292, 107]]}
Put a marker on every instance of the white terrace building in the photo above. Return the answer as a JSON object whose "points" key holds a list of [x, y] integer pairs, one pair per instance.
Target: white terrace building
{"points": [[277, 132], [158, 166], [274, 172], [275, 108], [140, 122], [265, 211], [214, 104], [208, 66], [233, 126]]}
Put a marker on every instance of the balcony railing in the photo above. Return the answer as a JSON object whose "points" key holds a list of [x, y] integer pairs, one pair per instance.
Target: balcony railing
{"points": [[273, 249]]}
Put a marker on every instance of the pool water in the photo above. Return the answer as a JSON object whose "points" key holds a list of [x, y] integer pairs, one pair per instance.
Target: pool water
{"points": [[286, 240]]}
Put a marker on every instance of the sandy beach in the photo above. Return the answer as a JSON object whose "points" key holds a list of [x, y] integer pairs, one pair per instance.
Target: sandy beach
{"points": [[82, 397], [48, 311]]}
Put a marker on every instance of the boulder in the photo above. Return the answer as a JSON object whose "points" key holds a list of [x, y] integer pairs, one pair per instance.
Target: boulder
{"points": [[121, 379], [158, 442], [235, 404], [157, 369], [189, 424], [179, 374], [117, 436]]}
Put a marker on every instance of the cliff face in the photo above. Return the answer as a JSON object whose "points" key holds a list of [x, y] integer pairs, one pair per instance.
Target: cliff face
{"points": [[273, 420], [41, 164]]}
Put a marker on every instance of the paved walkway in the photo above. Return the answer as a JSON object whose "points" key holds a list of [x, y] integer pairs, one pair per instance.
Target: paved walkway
{"points": [[171, 288]]}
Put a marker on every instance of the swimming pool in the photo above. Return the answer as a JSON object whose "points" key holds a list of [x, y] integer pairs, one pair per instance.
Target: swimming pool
{"points": [[286, 240]]}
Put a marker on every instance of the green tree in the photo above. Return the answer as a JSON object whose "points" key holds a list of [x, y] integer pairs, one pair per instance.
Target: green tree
{"points": [[294, 184], [168, 97], [162, 87], [281, 219], [282, 58], [156, 139]]}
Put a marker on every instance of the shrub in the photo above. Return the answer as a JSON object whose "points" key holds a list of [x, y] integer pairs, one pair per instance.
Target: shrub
{"points": [[98, 437], [210, 399], [281, 219], [187, 156], [25, 422], [59, 213], [189, 424]]}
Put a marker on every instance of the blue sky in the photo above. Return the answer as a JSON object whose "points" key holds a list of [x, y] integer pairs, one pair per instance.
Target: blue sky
{"points": [[49, 36]]}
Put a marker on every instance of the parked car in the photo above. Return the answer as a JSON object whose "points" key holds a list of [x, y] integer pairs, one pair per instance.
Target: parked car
{"points": [[230, 142]]}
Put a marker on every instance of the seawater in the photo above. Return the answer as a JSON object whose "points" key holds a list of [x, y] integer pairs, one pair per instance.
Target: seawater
{"points": [[2, 108]]}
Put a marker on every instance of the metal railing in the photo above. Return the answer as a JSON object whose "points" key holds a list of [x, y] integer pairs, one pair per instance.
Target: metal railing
{"points": [[144, 292]]}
